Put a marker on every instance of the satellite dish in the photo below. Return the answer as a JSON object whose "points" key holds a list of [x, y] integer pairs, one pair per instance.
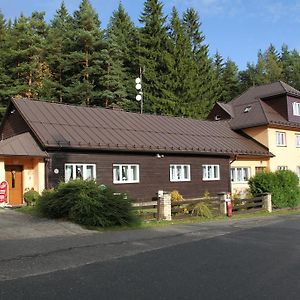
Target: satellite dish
{"points": [[138, 86], [138, 97], [138, 80]]}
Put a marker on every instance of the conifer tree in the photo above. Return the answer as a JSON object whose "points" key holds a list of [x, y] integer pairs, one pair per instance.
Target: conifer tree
{"points": [[205, 84], [122, 33], [58, 47], [156, 60], [26, 52], [5, 81], [87, 40], [112, 83], [230, 81]]}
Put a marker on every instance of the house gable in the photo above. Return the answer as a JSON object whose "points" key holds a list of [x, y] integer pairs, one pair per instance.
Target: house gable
{"points": [[13, 123]]}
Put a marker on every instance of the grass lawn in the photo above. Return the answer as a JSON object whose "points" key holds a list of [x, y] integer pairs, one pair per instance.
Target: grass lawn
{"points": [[154, 223]]}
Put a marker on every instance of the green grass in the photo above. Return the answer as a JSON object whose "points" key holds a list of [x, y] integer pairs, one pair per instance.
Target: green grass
{"points": [[29, 210], [154, 223]]}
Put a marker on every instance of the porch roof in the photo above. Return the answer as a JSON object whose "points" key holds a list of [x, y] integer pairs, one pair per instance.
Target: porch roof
{"points": [[21, 145]]}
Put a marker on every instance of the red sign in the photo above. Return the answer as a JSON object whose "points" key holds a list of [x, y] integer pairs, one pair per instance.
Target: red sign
{"points": [[3, 191]]}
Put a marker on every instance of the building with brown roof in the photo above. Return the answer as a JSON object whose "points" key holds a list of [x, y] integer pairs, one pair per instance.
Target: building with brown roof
{"points": [[270, 114], [45, 143]]}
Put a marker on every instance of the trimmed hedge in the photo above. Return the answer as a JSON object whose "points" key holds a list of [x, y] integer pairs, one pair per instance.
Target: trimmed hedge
{"points": [[283, 184], [87, 203]]}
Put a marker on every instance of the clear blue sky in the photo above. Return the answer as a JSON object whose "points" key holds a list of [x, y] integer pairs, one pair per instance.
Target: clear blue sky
{"points": [[236, 28]]}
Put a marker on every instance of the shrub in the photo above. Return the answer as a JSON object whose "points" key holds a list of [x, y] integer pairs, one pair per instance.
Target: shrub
{"points": [[283, 184], [107, 209], [87, 203], [200, 209], [176, 196], [31, 197]]}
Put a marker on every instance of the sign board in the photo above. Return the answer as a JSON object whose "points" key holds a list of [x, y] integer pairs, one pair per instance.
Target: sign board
{"points": [[3, 191]]}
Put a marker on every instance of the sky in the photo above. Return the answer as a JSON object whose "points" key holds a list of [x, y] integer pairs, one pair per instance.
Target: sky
{"points": [[237, 29]]}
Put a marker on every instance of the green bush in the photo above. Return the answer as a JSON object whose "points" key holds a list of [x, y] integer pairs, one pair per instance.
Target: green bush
{"points": [[31, 197], [283, 184], [87, 203]]}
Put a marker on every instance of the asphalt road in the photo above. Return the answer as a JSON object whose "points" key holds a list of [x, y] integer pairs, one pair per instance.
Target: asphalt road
{"points": [[247, 259]]}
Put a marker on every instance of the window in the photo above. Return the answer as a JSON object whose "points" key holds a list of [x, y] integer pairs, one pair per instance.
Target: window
{"points": [[297, 140], [260, 170], [180, 173], [211, 172], [126, 173], [282, 168], [241, 174], [296, 109], [80, 171], [280, 138], [247, 109]]}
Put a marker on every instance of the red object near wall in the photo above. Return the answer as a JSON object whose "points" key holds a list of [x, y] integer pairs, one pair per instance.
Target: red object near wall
{"points": [[3, 191], [229, 208]]}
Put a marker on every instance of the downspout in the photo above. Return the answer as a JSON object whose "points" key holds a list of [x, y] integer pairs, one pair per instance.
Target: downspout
{"points": [[47, 161], [235, 157]]}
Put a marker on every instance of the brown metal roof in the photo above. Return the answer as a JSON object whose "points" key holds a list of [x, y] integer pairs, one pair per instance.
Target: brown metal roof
{"points": [[66, 126], [21, 145], [251, 108]]}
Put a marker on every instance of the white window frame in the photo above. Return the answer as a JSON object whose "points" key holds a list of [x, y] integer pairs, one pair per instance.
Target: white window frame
{"points": [[296, 108], [180, 175], [280, 139], [297, 140], [84, 172], [246, 173], [206, 175], [130, 178], [282, 168]]}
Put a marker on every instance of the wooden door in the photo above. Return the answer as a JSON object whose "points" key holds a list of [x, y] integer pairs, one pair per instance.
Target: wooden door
{"points": [[13, 175]]}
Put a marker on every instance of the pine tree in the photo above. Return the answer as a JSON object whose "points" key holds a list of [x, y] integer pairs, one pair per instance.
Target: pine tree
{"points": [[205, 83], [5, 81], [58, 46], [123, 34], [112, 83], [84, 57], [230, 81], [273, 67], [26, 52], [156, 60]]}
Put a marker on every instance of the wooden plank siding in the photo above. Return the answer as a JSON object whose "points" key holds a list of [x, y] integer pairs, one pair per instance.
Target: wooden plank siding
{"points": [[154, 172], [14, 124]]}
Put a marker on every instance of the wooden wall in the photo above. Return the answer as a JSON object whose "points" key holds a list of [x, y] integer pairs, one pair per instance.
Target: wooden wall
{"points": [[154, 172], [13, 124]]}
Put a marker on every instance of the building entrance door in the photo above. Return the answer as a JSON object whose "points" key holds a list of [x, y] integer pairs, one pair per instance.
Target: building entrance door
{"points": [[13, 175]]}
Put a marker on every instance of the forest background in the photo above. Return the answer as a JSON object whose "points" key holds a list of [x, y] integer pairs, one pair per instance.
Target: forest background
{"points": [[73, 60]]}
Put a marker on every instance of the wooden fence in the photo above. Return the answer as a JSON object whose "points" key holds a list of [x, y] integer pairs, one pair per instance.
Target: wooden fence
{"points": [[248, 205], [184, 208]]}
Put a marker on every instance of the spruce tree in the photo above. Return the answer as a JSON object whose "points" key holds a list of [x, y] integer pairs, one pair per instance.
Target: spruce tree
{"points": [[156, 60], [230, 81], [205, 83], [83, 60], [58, 47], [112, 81], [122, 33], [182, 73], [5, 80]]}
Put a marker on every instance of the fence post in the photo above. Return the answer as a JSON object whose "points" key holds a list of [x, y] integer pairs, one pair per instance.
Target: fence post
{"points": [[267, 202], [164, 207], [223, 207]]}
